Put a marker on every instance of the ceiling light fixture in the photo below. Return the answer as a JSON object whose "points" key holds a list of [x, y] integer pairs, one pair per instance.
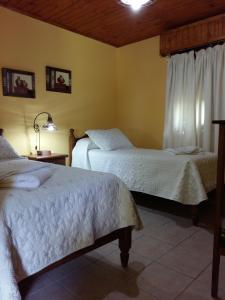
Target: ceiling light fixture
{"points": [[137, 4]]}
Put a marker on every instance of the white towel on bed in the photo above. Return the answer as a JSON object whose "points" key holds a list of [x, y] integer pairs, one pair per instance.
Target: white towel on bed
{"points": [[23, 174], [188, 150], [29, 180]]}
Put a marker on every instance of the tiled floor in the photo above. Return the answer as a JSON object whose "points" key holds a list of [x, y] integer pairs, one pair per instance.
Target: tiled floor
{"points": [[170, 259]]}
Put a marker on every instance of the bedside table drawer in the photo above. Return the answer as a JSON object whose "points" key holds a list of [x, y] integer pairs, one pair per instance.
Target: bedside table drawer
{"points": [[57, 161]]}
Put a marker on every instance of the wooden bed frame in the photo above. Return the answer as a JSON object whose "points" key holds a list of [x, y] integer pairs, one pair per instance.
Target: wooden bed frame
{"points": [[123, 235], [72, 142]]}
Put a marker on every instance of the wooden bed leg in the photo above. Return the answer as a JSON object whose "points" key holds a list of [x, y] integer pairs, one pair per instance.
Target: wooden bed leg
{"points": [[125, 245], [195, 214]]}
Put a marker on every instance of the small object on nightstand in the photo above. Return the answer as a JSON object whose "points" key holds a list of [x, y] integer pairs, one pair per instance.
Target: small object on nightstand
{"points": [[44, 152], [54, 158]]}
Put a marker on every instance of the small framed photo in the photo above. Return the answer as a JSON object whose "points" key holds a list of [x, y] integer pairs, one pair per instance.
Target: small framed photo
{"points": [[58, 80], [18, 83]]}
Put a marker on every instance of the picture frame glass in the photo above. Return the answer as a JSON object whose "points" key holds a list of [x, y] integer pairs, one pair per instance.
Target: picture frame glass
{"points": [[58, 80], [18, 83]]}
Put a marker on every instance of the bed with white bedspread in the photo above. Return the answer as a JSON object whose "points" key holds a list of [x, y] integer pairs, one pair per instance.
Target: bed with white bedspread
{"points": [[68, 212], [183, 178]]}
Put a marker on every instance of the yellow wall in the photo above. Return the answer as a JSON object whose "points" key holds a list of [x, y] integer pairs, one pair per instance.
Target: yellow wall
{"points": [[111, 87], [30, 45], [141, 78]]}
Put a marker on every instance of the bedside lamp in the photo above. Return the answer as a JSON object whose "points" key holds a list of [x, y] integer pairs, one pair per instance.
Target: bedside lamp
{"points": [[49, 125]]}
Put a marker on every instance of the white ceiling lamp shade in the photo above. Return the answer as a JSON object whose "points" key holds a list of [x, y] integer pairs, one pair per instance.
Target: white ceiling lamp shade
{"points": [[137, 4]]}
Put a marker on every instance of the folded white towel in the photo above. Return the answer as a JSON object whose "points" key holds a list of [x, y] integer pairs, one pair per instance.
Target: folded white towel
{"points": [[28, 180], [188, 150]]}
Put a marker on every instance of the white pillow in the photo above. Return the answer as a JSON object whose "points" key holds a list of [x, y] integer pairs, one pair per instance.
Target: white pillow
{"points": [[88, 143], [6, 150], [110, 139]]}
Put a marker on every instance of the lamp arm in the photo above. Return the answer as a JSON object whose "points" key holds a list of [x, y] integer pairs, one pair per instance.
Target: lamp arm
{"points": [[35, 125]]}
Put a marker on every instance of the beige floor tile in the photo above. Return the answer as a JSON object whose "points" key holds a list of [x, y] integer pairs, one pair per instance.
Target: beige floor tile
{"points": [[191, 256], [153, 217], [116, 272], [172, 232], [107, 249], [65, 269], [102, 252], [200, 289], [143, 208], [93, 282], [150, 247], [186, 261], [182, 251], [201, 241], [139, 295], [31, 285], [162, 282], [127, 289], [137, 233], [136, 265], [53, 292]]}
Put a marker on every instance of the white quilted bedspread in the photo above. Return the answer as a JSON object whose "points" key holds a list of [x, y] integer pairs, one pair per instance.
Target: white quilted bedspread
{"points": [[183, 178], [68, 212]]}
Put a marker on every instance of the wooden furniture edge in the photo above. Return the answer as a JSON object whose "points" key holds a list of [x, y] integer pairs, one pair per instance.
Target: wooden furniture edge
{"points": [[58, 159], [195, 209], [52, 155], [72, 143], [220, 122], [219, 242]]}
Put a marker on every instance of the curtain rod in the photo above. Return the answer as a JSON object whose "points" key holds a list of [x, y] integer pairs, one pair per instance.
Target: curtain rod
{"points": [[196, 49]]}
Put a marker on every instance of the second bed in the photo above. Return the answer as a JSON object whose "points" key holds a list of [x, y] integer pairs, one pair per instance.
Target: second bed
{"points": [[186, 179]]}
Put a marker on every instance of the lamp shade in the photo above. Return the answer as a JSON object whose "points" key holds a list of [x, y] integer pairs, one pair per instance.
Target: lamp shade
{"points": [[49, 125]]}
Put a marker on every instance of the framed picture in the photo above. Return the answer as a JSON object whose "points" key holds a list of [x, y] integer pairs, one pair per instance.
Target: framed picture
{"points": [[58, 80], [18, 83]]}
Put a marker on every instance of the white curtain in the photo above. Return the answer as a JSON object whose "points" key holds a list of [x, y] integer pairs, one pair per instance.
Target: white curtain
{"points": [[180, 120], [195, 97]]}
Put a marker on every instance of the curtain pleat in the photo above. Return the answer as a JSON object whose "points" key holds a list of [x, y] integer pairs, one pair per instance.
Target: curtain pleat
{"points": [[180, 101]]}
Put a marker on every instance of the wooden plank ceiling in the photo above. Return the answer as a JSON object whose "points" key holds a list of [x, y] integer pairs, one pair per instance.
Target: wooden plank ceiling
{"points": [[110, 22]]}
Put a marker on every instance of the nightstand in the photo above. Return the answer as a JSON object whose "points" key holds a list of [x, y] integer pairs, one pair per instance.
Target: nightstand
{"points": [[54, 158]]}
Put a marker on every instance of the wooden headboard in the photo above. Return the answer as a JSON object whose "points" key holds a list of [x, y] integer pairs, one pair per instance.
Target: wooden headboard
{"points": [[72, 143], [1, 131]]}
